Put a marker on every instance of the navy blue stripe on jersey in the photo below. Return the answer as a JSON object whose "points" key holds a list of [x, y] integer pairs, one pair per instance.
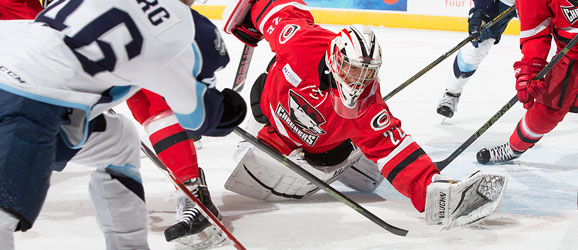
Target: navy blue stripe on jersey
{"points": [[403, 164], [524, 138]]}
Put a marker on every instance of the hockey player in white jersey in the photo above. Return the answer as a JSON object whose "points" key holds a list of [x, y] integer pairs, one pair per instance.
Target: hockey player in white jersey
{"points": [[471, 55], [57, 77]]}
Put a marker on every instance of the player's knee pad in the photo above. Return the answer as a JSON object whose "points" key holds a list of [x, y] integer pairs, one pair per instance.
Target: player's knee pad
{"points": [[363, 175], [117, 145], [8, 224], [261, 177], [470, 57], [120, 210]]}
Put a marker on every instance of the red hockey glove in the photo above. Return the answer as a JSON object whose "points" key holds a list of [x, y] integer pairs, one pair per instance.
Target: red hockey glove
{"points": [[247, 33], [528, 89]]}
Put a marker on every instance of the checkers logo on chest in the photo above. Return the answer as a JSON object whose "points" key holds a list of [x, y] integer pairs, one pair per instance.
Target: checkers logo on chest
{"points": [[571, 13]]}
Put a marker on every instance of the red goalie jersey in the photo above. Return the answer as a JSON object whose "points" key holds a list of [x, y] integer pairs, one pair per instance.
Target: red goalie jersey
{"points": [[296, 100]]}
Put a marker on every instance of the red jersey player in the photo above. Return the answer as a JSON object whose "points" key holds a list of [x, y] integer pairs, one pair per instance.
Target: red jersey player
{"points": [[321, 105], [547, 100]]}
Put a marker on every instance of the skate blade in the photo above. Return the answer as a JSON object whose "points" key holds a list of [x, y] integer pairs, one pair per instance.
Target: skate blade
{"points": [[443, 120], [208, 238]]}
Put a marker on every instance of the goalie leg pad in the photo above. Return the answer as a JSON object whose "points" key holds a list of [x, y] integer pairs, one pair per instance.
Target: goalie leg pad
{"points": [[261, 177], [462, 203], [363, 175]]}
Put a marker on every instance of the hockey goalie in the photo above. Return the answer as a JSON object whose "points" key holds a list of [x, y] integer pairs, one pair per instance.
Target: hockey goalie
{"points": [[320, 105]]}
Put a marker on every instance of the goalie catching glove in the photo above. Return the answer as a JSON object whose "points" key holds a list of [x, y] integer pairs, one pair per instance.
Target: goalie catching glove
{"points": [[453, 204]]}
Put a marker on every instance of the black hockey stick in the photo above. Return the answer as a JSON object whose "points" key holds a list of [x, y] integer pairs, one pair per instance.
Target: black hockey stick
{"points": [[188, 193], [448, 53], [243, 68], [444, 163]]}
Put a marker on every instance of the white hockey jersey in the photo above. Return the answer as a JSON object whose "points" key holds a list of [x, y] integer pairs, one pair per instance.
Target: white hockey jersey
{"points": [[90, 55]]}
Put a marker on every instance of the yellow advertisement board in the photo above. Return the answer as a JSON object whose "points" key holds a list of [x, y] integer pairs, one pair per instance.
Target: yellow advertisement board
{"points": [[448, 15]]}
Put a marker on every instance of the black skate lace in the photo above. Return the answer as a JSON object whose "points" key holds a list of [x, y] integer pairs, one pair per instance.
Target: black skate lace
{"points": [[502, 153]]}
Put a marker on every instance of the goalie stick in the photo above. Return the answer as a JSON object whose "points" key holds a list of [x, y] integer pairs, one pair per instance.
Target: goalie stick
{"points": [[448, 53], [243, 68], [444, 163], [206, 212]]}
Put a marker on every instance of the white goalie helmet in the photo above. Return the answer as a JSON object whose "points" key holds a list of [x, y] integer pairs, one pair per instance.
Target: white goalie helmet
{"points": [[354, 58]]}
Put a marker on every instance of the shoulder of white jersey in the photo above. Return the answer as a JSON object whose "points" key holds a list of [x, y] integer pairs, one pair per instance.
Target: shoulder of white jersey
{"points": [[235, 13], [211, 45]]}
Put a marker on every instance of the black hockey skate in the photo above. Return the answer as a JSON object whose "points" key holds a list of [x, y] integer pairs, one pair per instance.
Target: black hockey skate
{"points": [[448, 104], [497, 154], [192, 229]]}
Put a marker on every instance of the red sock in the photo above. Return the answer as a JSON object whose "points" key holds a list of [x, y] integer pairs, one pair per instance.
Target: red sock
{"points": [[175, 148]]}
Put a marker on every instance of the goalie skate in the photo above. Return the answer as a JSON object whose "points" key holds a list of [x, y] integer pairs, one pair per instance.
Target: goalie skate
{"points": [[453, 204]]}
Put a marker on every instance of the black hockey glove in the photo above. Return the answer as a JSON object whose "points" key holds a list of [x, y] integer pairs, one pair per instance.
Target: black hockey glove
{"points": [[234, 112], [475, 25], [247, 33]]}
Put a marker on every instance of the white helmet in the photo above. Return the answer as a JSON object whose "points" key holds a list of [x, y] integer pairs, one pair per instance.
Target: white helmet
{"points": [[354, 58]]}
